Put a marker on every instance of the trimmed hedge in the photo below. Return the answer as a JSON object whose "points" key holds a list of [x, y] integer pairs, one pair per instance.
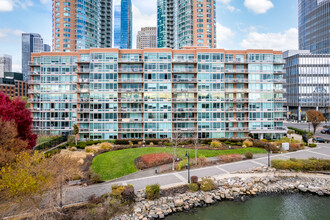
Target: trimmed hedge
{"points": [[311, 164], [299, 131]]}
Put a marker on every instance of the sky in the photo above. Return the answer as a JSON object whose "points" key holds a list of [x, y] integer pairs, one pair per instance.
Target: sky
{"points": [[241, 24]]}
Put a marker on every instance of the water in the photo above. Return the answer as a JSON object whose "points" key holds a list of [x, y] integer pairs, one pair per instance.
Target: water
{"points": [[273, 207]]}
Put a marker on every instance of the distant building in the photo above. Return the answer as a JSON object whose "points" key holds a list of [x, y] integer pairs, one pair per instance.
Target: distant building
{"points": [[5, 64], [31, 43], [146, 38], [47, 48], [186, 23], [123, 29], [307, 83], [13, 85], [314, 25], [80, 24]]}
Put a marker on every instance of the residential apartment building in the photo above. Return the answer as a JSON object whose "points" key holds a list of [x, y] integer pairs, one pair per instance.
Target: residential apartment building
{"points": [[123, 29], [5, 64], [314, 25], [146, 38], [31, 43], [159, 93], [307, 83], [186, 23], [13, 85], [81, 24]]}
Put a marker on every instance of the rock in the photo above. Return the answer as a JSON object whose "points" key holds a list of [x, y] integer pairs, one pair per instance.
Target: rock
{"points": [[137, 210], [186, 207], [320, 193], [236, 189], [178, 202], [161, 216], [302, 188]]}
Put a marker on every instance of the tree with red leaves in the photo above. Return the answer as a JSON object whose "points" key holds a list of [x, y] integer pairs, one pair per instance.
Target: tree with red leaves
{"points": [[15, 110]]}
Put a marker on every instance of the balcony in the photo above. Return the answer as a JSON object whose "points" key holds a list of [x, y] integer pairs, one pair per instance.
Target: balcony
{"points": [[32, 91], [34, 63], [130, 130], [82, 80], [184, 119], [184, 80], [130, 70], [83, 61], [236, 80], [238, 61], [84, 90], [236, 70], [83, 70], [33, 73], [130, 60], [238, 129], [131, 100], [130, 90], [83, 110], [192, 70], [83, 100], [130, 120], [184, 130], [185, 90], [184, 61], [83, 119], [184, 109], [237, 100], [279, 90], [34, 81], [184, 100], [84, 130], [130, 110], [130, 80], [244, 90]]}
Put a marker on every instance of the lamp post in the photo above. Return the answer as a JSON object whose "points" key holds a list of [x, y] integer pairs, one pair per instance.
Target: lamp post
{"points": [[187, 155], [267, 145]]}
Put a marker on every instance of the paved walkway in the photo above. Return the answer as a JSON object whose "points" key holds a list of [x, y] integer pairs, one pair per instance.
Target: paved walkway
{"points": [[78, 194]]}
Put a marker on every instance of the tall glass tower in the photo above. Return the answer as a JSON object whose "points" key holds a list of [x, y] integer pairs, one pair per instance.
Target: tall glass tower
{"points": [[314, 26], [123, 25], [81, 24], [31, 43], [183, 23]]}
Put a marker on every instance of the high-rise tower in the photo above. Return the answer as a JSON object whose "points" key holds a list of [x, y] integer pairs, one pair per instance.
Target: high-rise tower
{"points": [[81, 24], [31, 43], [186, 23], [314, 26], [123, 30]]}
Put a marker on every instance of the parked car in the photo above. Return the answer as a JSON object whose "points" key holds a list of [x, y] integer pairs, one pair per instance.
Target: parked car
{"points": [[325, 131], [321, 140]]}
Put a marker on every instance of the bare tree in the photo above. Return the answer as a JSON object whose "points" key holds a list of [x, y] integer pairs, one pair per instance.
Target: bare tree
{"points": [[196, 144], [315, 117], [176, 140]]}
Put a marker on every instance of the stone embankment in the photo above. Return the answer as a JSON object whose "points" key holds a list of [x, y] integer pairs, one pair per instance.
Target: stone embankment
{"points": [[238, 188]]}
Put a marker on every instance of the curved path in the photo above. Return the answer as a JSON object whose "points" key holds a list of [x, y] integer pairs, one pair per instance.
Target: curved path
{"points": [[77, 194]]}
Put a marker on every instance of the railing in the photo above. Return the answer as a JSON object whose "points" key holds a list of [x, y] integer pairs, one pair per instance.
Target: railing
{"points": [[83, 119], [236, 70], [51, 143], [83, 80], [130, 90], [132, 60], [237, 129], [184, 61], [236, 80], [184, 80], [31, 73], [130, 109], [125, 120], [83, 70], [193, 70], [130, 129], [185, 90], [33, 63], [130, 80], [82, 90], [132, 70], [184, 109]]}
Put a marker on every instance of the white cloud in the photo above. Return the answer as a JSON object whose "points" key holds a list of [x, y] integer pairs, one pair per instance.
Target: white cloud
{"points": [[142, 20], [224, 1], [7, 33], [278, 41], [45, 1], [9, 5], [226, 4], [259, 6], [223, 34]]}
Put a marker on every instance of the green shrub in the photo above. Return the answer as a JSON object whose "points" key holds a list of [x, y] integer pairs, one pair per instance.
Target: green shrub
{"points": [[208, 185], [71, 139], [299, 131], [117, 191], [128, 194], [153, 192], [312, 145], [151, 144], [93, 177], [248, 155], [193, 187], [72, 149], [312, 164], [90, 150], [215, 144], [121, 142], [168, 144], [182, 164], [248, 143], [81, 145]]}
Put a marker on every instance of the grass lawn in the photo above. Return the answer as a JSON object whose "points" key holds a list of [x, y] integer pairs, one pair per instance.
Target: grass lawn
{"points": [[119, 163]]}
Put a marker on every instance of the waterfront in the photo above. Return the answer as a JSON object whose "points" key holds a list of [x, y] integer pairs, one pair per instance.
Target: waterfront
{"points": [[272, 207]]}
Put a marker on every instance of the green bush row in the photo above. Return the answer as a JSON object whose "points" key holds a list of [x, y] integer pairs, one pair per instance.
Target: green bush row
{"points": [[299, 131], [311, 164]]}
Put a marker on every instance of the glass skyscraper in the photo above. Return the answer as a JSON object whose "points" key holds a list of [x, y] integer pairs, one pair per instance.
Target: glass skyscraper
{"points": [[314, 26], [81, 24], [123, 29], [307, 83], [183, 23], [31, 43]]}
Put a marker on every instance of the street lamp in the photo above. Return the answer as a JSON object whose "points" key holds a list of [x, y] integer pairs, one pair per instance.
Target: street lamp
{"points": [[187, 155], [267, 145]]}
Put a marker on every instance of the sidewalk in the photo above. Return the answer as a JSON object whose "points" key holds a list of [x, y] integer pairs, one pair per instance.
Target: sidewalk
{"points": [[78, 194]]}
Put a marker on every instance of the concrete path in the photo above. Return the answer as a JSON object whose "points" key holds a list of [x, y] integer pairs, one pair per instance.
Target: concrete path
{"points": [[78, 194]]}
